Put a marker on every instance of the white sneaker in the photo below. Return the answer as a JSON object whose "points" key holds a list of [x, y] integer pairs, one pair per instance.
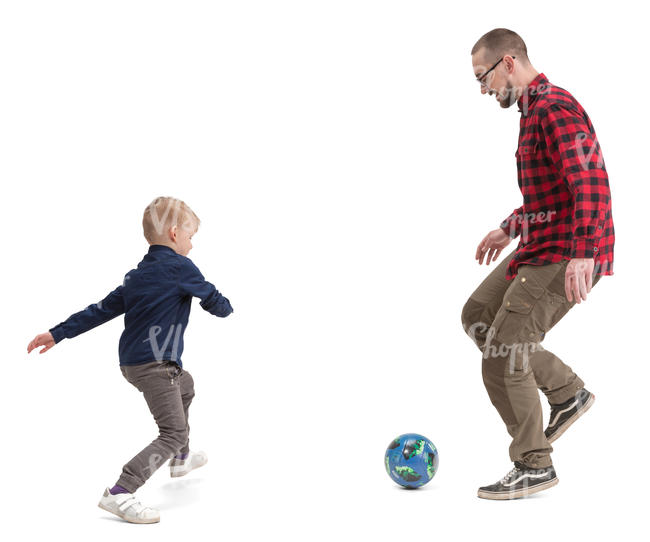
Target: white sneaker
{"points": [[126, 506], [180, 467]]}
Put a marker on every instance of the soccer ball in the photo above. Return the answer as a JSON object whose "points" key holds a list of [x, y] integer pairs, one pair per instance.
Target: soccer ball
{"points": [[411, 460]]}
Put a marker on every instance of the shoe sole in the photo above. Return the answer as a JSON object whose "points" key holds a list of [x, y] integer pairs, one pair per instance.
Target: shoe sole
{"points": [[524, 492], [572, 419], [179, 474], [139, 521]]}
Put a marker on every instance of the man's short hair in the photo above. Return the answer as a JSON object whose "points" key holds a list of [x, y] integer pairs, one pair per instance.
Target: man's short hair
{"points": [[499, 42]]}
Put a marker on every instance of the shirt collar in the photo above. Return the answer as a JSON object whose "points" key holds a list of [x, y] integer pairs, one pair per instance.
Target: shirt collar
{"points": [[537, 86], [160, 248]]}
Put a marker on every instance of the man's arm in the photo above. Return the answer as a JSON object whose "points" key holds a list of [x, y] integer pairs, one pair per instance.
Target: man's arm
{"points": [[511, 226], [92, 316], [575, 151], [192, 282]]}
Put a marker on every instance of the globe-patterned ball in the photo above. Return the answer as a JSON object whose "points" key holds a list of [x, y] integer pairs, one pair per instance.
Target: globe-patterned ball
{"points": [[411, 460]]}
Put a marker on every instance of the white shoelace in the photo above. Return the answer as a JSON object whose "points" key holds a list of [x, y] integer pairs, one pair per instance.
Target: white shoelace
{"points": [[507, 476]]}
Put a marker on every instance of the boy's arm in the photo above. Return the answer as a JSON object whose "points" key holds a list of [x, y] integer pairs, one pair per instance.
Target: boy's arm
{"points": [[192, 282], [92, 316]]}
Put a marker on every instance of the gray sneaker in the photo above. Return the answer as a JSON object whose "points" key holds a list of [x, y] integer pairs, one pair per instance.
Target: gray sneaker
{"points": [[520, 482], [563, 415]]}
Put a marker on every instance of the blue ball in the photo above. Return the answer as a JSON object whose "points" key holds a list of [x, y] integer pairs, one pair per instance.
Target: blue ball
{"points": [[411, 460]]}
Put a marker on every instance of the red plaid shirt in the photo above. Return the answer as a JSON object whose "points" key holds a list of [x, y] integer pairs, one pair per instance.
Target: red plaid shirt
{"points": [[567, 210]]}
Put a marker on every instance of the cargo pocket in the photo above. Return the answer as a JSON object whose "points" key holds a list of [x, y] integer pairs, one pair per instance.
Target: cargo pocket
{"points": [[555, 306], [517, 323]]}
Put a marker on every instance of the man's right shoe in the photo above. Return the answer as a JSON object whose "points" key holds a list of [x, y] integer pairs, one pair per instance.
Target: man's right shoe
{"points": [[126, 506], [563, 415]]}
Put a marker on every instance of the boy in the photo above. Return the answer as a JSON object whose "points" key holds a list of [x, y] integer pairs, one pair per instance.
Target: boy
{"points": [[155, 299]]}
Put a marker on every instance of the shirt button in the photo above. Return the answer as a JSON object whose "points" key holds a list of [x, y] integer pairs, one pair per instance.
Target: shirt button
{"points": [[523, 279], [507, 303], [595, 249]]}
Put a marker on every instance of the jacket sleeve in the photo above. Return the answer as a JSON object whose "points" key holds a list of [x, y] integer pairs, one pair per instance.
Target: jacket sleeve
{"points": [[575, 152], [192, 282], [92, 316], [512, 225]]}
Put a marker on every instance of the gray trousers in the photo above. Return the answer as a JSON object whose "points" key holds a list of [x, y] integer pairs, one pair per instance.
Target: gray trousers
{"points": [[508, 320], [169, 391]]}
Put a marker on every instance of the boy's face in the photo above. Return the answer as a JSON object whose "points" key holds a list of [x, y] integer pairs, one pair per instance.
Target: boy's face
{"points": [[182, 236]]}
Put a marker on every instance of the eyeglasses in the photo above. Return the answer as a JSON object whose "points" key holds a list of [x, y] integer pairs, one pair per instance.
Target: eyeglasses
{"points": [[481, 79]]}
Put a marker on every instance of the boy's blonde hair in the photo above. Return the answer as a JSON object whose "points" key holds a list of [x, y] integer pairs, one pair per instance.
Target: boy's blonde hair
{"points": [[164, 213]]}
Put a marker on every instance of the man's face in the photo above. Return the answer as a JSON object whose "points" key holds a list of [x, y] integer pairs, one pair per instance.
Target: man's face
{"points": [[498, 81]]}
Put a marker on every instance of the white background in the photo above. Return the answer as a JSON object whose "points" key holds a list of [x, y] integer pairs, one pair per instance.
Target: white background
{"points": [[345, 166]]}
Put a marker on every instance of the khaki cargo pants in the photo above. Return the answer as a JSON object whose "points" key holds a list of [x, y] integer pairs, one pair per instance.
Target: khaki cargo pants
{"points": [[508, 320]]}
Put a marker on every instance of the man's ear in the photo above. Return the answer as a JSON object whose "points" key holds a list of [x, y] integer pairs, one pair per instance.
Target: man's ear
{"points": [[509, 62]]}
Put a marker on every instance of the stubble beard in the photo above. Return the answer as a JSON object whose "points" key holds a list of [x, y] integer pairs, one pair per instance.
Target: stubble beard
{"points": [[509, 96]]}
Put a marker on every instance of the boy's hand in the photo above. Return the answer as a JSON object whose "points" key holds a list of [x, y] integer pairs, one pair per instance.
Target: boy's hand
{"points": [[44, 339]]}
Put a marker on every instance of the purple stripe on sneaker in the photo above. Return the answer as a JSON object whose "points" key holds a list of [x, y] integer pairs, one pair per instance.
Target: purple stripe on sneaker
{"points": [[181, 456]]}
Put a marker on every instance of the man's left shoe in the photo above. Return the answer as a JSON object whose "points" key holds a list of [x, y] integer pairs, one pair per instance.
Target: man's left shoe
{"points": [[180, 467], [520, 482]]}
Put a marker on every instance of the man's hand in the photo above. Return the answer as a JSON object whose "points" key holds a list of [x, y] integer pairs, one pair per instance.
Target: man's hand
{"points": [[577, 280], [44, 339], [493, 243]]}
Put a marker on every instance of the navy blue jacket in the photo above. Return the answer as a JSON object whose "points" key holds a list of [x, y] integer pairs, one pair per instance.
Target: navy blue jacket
{"points": [[155, 299]]}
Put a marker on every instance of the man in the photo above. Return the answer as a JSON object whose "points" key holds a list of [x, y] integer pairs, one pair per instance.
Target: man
{"points": [[566, 244]]}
